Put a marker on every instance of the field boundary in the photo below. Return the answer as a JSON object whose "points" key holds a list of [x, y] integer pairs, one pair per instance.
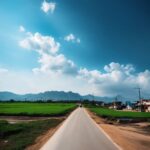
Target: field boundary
{"points": [[42, 139]]}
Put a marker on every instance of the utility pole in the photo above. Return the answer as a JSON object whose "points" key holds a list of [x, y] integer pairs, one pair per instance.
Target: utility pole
{"points": [[68, 96], [92, 96], [139, 93]]}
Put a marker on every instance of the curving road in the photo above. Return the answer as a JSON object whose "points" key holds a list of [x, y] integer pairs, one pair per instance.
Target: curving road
{"points": [[79, 132]]}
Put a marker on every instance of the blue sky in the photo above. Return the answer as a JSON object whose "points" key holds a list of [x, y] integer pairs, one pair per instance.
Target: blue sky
{"points": [[98, 44]]}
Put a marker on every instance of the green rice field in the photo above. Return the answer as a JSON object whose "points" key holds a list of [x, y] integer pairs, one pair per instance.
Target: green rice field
{"points": [[104, 112], [36, 109]]}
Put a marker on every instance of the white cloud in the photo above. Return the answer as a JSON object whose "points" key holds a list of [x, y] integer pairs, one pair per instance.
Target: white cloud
{"points": [[48, 6], [55, 64], [108, 83], [117, 79], [39, 43], [21, 29], [50, 61], [71, 38], [112, 80], [28, 82]]}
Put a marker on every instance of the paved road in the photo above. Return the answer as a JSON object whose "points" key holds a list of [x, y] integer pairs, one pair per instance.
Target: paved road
{"points": [[79, 132]]}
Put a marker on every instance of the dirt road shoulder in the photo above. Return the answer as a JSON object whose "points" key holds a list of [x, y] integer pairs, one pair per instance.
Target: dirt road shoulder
{"points": [[41, 140], [128, 136]]}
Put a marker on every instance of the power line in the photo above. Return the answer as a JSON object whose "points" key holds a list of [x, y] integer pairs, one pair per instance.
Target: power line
{"points": [[139, 93]]}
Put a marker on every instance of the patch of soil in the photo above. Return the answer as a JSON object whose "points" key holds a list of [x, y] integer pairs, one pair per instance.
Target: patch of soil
{"points": [[16, 119], [41, 140]]}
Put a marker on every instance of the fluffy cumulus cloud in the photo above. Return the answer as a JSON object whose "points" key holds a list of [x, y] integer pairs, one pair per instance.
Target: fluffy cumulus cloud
{"points": [[112, 80], [51, 61], [48, 6], [55, 64], [116, 79], [71, 38], [40, 43]]}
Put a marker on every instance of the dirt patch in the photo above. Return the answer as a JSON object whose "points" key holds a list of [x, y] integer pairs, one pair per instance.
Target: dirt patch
{"points": [[17, 119], [133, 136]]}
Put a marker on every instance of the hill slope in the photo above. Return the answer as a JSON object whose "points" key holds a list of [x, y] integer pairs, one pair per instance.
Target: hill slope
{"points": [[50, 95]]}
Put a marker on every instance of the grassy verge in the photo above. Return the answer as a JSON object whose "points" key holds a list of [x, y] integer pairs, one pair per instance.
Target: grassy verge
{"points": [[18, 136], [110, 113], [36, 109]]}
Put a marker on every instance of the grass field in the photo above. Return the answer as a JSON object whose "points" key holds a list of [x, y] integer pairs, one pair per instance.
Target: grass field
{"points": [[36, 109], [104, 112], [18, 136]]}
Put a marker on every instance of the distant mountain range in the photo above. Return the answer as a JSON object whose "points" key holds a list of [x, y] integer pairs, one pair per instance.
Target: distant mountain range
{"points": [[51, 95]]}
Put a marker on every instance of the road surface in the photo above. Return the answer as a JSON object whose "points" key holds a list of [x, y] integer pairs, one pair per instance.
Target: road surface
{"points": [[79, 132]]}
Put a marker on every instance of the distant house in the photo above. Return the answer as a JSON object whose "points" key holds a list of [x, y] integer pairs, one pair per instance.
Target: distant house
{"points": [[100, 103], [129, 105], [116, 105], [144, 105]]}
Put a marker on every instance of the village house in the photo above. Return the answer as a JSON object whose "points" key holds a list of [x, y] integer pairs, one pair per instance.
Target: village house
{"points": [[144, 105], [116, 105], [129, 105]]}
